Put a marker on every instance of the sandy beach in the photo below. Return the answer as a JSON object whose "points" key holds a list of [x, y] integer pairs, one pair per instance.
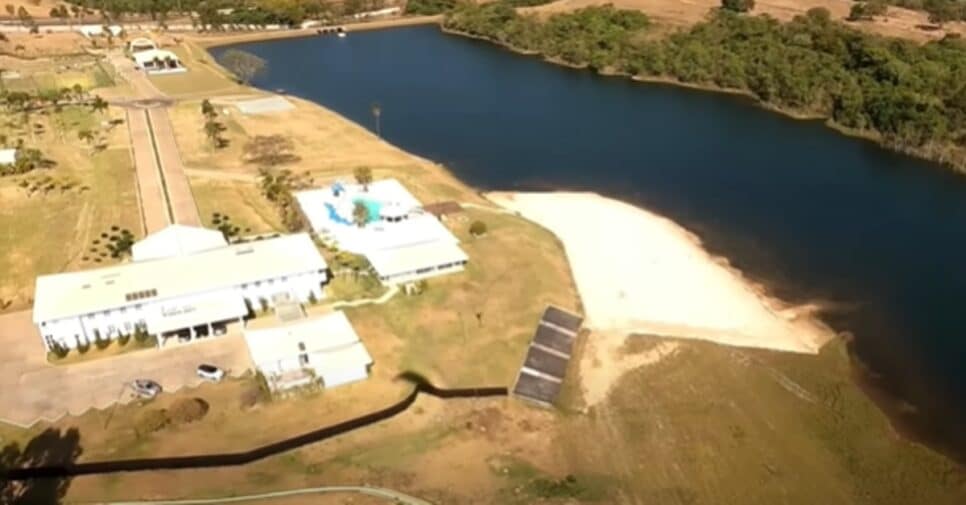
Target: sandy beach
{"points": [[639, 273]]}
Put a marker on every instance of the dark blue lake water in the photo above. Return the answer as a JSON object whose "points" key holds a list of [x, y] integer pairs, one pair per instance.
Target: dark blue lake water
{"points": [[814, 215]]}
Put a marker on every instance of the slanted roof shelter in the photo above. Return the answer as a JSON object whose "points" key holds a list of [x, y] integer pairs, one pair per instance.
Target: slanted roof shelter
{"points": [[177, 240], [158, 60], [326, 345], [141, 44], [8, 156], [416, 261]]}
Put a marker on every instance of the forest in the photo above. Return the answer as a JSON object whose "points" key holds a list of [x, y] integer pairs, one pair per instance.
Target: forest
{"points": [[217, 12], [911, 97]]}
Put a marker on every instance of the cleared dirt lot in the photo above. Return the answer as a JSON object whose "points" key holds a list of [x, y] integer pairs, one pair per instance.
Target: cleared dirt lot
{"points": [[34, 389], [897, 22]]}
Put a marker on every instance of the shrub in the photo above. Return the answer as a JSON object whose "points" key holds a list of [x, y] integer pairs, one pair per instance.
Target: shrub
{"points": [[83, 347], [187, 410], [865, 11], [312, 298], [151, 421], [123, 339], [738, 5], [102, 343], [478, 228]]}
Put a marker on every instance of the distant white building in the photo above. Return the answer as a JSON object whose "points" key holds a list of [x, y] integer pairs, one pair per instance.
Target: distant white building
{"points": [[402, 241], [158, 61], [388, 11], [141, 44], [185, 283], [91, 31], [8, 156], [323, 349]]}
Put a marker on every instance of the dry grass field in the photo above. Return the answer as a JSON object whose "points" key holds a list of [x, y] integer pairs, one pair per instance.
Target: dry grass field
{"points": [[51, 216], [897, 22]]}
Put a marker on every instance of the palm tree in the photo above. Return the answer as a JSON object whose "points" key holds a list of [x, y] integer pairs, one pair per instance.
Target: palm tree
{"points": [[99, 104], [363, 176], [207, 109], [377, 114], [360, 214]]}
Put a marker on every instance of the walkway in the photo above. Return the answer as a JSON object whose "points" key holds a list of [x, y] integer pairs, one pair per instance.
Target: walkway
{"points": [[388, 494], [154, 206], [164, 193]]}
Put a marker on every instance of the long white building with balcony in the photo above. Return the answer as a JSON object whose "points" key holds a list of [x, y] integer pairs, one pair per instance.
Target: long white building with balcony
{"points": [[183, 283]]}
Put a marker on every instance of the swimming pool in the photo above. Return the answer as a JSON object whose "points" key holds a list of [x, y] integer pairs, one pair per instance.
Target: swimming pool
{"points": [[372, 206]]}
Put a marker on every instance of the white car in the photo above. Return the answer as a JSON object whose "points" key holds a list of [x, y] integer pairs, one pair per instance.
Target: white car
{"points": [[211, 373]]}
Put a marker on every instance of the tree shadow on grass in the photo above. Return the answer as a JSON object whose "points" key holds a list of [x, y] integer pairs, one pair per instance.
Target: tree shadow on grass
{"points": [[50, 448]]}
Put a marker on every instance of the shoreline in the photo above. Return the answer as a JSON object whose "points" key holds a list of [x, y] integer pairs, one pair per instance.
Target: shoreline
{"points": [[659, 279], [923, 153], [209, 41], [883, 402]]}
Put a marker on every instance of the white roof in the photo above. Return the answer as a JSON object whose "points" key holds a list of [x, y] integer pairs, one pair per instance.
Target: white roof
{"points": [[329, 333], [410, 259], [76, 293], [181, 313], [177, 240], [418, 228], [8, 156], [142, 57], [142, 42]]}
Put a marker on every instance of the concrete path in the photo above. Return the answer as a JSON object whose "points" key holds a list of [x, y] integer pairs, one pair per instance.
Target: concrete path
{"points": [[154, 205], [379, 492], [180, 199], [33, 389], [156, 155]]}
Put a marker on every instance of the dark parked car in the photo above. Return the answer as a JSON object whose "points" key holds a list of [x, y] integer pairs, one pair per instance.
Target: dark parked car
{"points": [[146, 388]]}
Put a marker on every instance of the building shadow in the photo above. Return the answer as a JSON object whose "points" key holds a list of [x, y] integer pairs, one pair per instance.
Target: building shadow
{"points": [[53, 447]]}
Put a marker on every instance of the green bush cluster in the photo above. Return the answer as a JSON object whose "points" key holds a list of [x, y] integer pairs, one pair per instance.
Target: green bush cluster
{"points": [[914, 96]]}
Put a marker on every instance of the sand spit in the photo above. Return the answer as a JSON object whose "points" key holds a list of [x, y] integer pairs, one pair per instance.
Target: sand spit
{"points": [[638, 272]]}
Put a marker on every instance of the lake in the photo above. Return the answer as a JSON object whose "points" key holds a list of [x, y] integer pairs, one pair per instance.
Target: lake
{"points": [[876, 237]]}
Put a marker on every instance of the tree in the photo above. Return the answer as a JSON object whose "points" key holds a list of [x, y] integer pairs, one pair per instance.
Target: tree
{"points": [[86, 135], [738, 5], [99, 104], [270, 150], [866, 11], [360, 214], [52, 447], [478, 228], [207, 109], [11, 10], [244, 65], [377, 115], [363, 176], [213, 131]]}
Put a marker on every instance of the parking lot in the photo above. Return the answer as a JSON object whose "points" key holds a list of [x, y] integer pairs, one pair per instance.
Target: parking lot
{"points": [[31, 389]]}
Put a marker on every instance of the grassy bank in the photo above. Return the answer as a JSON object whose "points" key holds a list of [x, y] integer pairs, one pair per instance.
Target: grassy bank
{"points": [[868, 86]]}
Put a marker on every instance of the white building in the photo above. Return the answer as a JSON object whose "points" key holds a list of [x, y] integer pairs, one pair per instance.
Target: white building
{"points": [[181, 284], [324, 349], [91, 31], [141, 44], [8, 156], [402, 241], [158, 61]]}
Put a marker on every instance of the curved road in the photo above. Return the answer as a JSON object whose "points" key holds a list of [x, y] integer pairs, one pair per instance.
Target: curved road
{"points": [[378, 492]]}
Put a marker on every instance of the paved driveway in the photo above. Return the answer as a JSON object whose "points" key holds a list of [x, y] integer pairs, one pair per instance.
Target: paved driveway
{"points": [[32, 389]]}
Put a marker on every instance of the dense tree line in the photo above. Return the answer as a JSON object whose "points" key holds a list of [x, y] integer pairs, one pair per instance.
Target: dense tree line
{"points": [[213, 12], [913, 96]]}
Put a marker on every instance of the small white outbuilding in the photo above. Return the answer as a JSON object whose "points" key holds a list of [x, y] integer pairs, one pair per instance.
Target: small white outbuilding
{"points": [[8, 156], [324, 348]]}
